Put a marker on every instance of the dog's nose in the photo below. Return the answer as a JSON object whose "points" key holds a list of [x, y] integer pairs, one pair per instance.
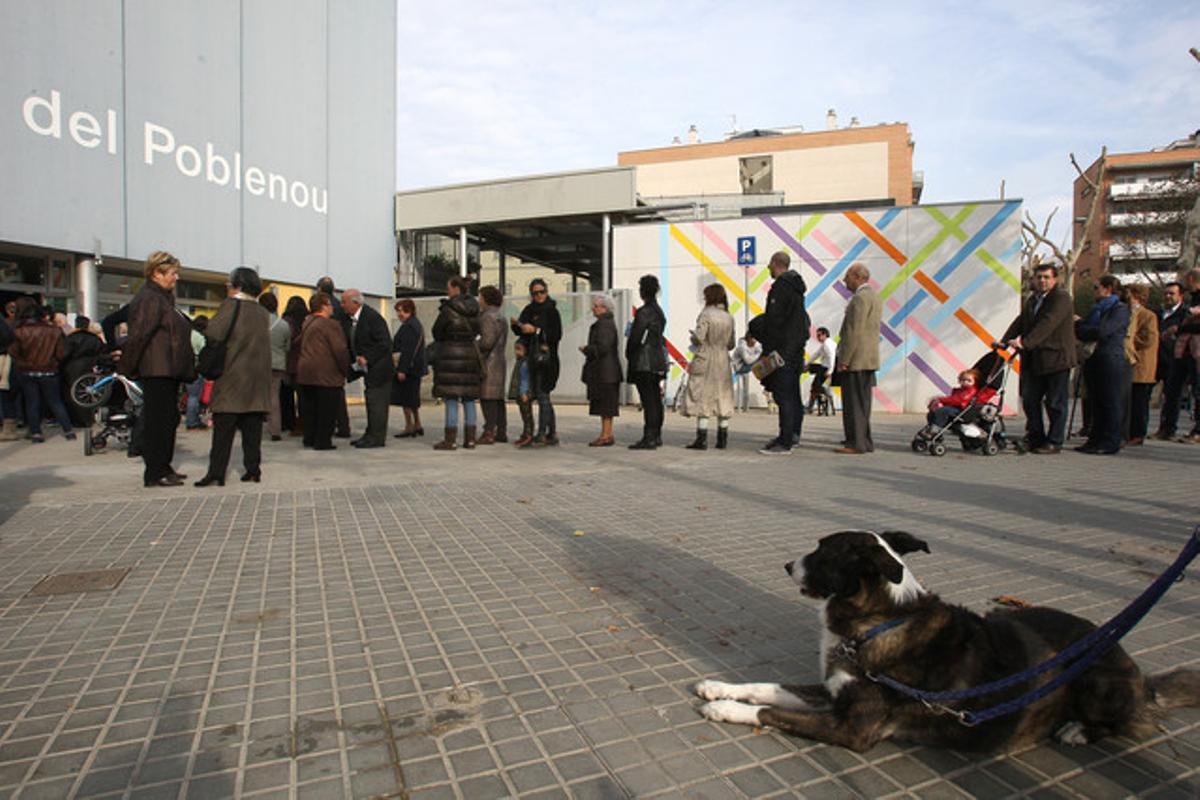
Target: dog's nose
{"points": [[788, 566]]}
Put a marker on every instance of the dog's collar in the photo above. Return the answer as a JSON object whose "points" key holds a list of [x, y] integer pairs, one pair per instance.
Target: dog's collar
{"points": [[848, 648]]}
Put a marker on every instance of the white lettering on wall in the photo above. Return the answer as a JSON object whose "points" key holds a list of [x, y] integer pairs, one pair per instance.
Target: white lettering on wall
{"points": [[159, 147]]}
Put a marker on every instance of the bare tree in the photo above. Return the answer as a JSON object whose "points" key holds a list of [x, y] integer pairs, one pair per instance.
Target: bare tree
{"points": [[1035, 239]]}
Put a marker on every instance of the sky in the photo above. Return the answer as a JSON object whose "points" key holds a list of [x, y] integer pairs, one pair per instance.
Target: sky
{"points": [[991, 91]]}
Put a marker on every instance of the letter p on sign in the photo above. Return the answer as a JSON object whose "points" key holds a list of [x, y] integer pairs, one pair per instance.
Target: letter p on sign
{"points": [[745, 251]]}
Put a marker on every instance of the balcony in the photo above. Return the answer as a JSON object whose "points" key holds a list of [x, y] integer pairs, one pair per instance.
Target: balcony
{"points": [[1145, 219], [1154, 189], [1144, 251]]}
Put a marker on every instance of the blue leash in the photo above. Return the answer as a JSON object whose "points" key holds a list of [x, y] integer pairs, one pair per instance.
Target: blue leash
{"points": [[1087, 650]]}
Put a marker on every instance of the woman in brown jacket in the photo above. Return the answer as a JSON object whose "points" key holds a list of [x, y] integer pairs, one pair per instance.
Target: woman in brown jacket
{"points": [[158, 352], [1141, 350], [242, 395], [321, 372]]}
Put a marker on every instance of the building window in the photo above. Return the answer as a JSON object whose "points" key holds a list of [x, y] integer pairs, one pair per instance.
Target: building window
{"points": [[23, 270], [755, 174]]}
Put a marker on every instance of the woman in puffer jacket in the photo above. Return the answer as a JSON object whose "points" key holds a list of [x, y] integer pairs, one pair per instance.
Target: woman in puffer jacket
{"points": [[457, 370]]}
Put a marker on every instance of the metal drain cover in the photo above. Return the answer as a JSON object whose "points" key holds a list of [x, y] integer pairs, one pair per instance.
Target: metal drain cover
{"points": [[100, 580]]}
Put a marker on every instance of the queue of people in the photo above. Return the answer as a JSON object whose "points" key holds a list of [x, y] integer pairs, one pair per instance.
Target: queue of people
{"points": [[289, 371]]}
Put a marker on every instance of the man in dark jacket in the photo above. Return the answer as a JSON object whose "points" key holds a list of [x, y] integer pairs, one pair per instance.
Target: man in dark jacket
{"points": [[1185, 367], [1044, 333], [783, 329], [37, 349], [371, 352], [540, 329], [83, 348]]}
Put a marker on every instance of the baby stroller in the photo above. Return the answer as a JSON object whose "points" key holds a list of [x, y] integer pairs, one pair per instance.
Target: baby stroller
{"points": [[116, 412], [979, 426]]}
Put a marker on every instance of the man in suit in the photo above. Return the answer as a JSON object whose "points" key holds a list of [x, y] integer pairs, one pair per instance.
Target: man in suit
{"points": [[371, 351], [1044, 332], [1184, 319], [858, 359]]}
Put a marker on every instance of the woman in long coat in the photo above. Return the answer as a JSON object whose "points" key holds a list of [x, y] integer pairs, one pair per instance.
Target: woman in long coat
{"points": [[602, 369], [493, 337], [1106, 370], [408, 355], [321, 372], [647, 362], [457, 371], [241, 397], [709, 389], [1141, 350], [158, 352]]}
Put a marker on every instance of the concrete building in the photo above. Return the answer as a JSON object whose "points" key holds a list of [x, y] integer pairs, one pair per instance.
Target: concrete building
{"points": [[850, 166], [1139, 221], [236, 133]]}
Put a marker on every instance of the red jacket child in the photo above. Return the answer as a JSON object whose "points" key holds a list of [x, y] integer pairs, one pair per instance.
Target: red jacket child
{"points": [[963, 395]]}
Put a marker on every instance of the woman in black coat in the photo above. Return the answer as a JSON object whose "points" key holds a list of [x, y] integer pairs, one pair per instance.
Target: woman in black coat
{"points": [[457, 372], [540, 329], [408, 353], [602, 369], [1106, 370], [647, 360]]}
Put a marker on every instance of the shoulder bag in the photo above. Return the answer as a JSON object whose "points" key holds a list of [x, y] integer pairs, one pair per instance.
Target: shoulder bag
{"points": [[211, 361]]}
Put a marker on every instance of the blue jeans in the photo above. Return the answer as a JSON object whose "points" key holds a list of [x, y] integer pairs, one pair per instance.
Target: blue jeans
{"points": [[193, 402], [41, 388], [452, 411], [785, 388], [547, 422]]}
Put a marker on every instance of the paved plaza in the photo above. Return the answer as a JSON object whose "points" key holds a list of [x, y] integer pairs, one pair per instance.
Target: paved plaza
{"points": [[405, 623]]}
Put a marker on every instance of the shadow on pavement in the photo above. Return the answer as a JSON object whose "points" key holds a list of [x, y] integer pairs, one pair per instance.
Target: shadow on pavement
{"points": [[19, 486]]}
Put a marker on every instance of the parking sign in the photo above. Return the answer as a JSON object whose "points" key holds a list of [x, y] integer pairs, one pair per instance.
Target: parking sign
{"points": [[745, 249]]}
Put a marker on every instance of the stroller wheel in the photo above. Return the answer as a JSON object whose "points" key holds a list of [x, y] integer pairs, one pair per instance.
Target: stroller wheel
{"points": [[920, 445], [991, 448], [937, 449]]}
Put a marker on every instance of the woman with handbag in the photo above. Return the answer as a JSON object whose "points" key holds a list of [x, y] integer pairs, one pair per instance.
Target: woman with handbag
{"points": [[321, 372], [540, 329], [647, 361], [408, 354], [458, 370], [602, 369], [158, 352], [709, 389], [241, 396]]}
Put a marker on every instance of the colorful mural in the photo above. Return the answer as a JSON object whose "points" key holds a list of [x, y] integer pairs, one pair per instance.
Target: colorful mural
{"points": [[949, 277]]}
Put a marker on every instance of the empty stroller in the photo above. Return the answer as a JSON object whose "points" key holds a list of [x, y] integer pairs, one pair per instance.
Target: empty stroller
{"points": [[978, 424]]}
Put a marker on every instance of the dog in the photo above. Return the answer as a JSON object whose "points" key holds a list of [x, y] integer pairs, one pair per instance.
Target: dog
{"points": [[877, 619]]}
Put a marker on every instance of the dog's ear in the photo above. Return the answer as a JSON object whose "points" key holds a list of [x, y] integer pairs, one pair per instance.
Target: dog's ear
{"points": [[903, 542], [887, 565]]}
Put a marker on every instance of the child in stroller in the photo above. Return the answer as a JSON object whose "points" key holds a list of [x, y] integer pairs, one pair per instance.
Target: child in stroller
{"points": [[972, 411]]}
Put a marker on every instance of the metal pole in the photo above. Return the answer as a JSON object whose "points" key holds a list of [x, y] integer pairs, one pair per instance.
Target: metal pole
{"points": [[86, 283], [462, 251], [606, 253], [746, 330], [503, 272]]}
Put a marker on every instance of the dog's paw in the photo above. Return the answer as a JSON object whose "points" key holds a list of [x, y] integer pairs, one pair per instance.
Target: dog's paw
{"points": [[1072, 733], [713, 690], [731, 711]]}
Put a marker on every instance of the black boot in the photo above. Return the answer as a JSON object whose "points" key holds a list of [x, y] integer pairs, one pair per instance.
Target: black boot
{"points": [[644, 443], [701, 442], [722, 438], [658, 437]]}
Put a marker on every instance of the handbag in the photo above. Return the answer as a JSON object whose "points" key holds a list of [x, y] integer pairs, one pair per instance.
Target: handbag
{"points": [[765, 366], [211, 361]]}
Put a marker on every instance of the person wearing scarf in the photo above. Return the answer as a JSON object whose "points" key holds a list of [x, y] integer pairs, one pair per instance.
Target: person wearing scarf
{"points": [[1106, 369]]}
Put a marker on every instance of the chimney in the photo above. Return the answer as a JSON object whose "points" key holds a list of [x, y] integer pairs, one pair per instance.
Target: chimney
{"points": [[854, 122], [676, 140], [831, 120], [693, 135]]}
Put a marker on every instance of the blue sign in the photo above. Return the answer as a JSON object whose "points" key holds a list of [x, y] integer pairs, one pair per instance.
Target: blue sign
{"points": [[745, 251]]}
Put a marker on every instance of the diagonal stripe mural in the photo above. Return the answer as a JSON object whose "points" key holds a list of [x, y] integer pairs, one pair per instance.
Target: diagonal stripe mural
{"points": [[948, 276]]}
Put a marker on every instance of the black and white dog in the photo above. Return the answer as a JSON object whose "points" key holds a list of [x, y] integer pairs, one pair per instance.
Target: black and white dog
{"points": [[878, 620]]}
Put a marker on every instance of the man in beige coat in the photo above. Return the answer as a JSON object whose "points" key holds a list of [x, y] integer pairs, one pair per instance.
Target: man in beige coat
{"points": [[857, 360]]}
